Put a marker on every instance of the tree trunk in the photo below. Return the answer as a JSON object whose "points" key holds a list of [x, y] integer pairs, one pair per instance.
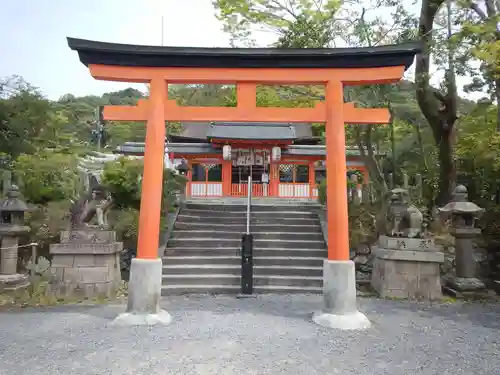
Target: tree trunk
{"points": [[440, 110], [446, 168]]}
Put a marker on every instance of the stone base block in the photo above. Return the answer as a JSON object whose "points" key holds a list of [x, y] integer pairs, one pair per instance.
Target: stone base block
{"points": [[10, 283], [339, 298], [465, 287], [465, 284], [407, 274], [87, 263], [144, 291]]}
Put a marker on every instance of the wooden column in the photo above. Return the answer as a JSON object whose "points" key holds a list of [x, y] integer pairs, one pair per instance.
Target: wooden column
{"points": [[312, 178], [226, 178], [189, 178], [336, 176], [152, 182], [274, 180]]}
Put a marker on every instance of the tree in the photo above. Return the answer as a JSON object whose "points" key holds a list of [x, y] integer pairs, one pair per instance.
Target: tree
{"points": [[439, 107], [479, 38], [308, 24], [242, 18], [24, 114]]}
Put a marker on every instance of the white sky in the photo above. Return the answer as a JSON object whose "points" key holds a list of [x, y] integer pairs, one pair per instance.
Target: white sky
{"points": [[33, 43]]}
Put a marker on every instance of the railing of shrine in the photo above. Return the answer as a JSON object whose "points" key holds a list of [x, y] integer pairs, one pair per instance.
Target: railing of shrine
{"points": [[241, 190], [205, 189]]}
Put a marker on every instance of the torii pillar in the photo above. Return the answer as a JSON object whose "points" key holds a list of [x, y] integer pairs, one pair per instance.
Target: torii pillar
{"points": [[246, 68]]}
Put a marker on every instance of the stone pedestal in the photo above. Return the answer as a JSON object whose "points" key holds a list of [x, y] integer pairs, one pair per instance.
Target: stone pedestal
{"points": [[86, 262], [144, 291], [339, 297], [464, 281], [407, 268], [8, 255], [10, 280]]}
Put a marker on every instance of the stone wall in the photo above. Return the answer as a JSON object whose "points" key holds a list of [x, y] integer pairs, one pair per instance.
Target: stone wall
{"points": [[87, 262]]}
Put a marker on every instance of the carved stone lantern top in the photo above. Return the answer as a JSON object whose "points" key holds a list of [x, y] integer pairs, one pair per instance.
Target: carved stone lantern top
{"points": [[182, 167], [12, 209], [13, 202], [460, 204], [463, 212]]}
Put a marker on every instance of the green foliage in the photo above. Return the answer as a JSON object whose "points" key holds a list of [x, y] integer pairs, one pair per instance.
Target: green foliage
{"points": [[478, 154], [126, 224], [240, 17], [47, 176], [46, 221], [322, 192], [122, 179]]}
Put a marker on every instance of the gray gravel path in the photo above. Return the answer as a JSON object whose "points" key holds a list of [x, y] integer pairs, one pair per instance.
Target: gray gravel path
{"points": [[266, 335]]}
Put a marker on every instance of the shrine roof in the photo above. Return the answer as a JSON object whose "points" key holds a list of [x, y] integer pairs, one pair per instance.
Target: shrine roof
{"points": [[94, 52], [137, 148], [251, 131]]}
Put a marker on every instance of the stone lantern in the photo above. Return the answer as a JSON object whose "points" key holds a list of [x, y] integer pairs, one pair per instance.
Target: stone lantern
{"points": [[182, 168], [12, 210], [463, 215]]}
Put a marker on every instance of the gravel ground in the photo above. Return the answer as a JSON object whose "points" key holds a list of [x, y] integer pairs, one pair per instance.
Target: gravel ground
{"points": [[265, 335]]}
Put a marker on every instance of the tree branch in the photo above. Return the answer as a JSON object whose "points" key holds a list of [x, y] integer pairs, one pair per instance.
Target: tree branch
{"points": [[475, 7]]}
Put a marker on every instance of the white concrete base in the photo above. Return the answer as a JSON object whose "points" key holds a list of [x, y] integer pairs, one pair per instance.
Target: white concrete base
{"points": [[356, 320], [129, 319], [339, 296], [144, 291]]}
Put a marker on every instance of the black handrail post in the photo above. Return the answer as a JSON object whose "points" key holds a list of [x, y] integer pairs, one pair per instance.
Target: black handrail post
{"points": [[247, 250]]}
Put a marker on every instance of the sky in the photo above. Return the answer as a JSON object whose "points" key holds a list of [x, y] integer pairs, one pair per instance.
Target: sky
{"points": [[33, 43]]}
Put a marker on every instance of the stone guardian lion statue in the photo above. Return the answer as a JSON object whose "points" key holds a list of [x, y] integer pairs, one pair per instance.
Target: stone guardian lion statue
{"points": [[94, 204], [405, 219]]}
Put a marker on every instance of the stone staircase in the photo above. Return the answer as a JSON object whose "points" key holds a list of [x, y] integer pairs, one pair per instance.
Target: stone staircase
{"points": [[202, 255]]}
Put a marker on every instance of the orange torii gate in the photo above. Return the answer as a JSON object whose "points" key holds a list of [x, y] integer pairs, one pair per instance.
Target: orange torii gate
{"points": [[246, 68]]}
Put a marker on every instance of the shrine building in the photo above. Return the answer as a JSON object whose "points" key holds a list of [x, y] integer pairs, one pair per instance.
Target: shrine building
{"points": [[284, 160]]}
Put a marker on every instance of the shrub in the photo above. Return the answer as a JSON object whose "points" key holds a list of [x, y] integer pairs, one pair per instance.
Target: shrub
{"points": [[322, 192], [47, 176], [123, 180]]}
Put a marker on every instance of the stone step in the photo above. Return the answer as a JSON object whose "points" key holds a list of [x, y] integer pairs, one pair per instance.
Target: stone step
{"points": [[236, 235], [234, 251], [288, 280], [201, 269], [256, 214], [215, 219], [256, 228], [215, 243], [254, 207], [268, 289], [227, 279], [259, 260], [203, 260], [259, 270], [180, 289]]}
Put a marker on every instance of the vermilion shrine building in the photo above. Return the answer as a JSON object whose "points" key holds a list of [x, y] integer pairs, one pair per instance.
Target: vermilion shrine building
{"points": [[295, 174]]}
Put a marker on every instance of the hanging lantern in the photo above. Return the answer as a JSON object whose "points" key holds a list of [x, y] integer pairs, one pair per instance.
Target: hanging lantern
{"points": [[276, 153], [226, 152]]}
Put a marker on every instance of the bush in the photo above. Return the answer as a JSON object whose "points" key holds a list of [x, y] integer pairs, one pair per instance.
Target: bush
{"points": [[123, 180], [47, 176], [322, 192]]}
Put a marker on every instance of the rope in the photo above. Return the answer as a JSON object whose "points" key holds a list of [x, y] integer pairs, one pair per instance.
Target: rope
{"points": [[18, 246]]}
